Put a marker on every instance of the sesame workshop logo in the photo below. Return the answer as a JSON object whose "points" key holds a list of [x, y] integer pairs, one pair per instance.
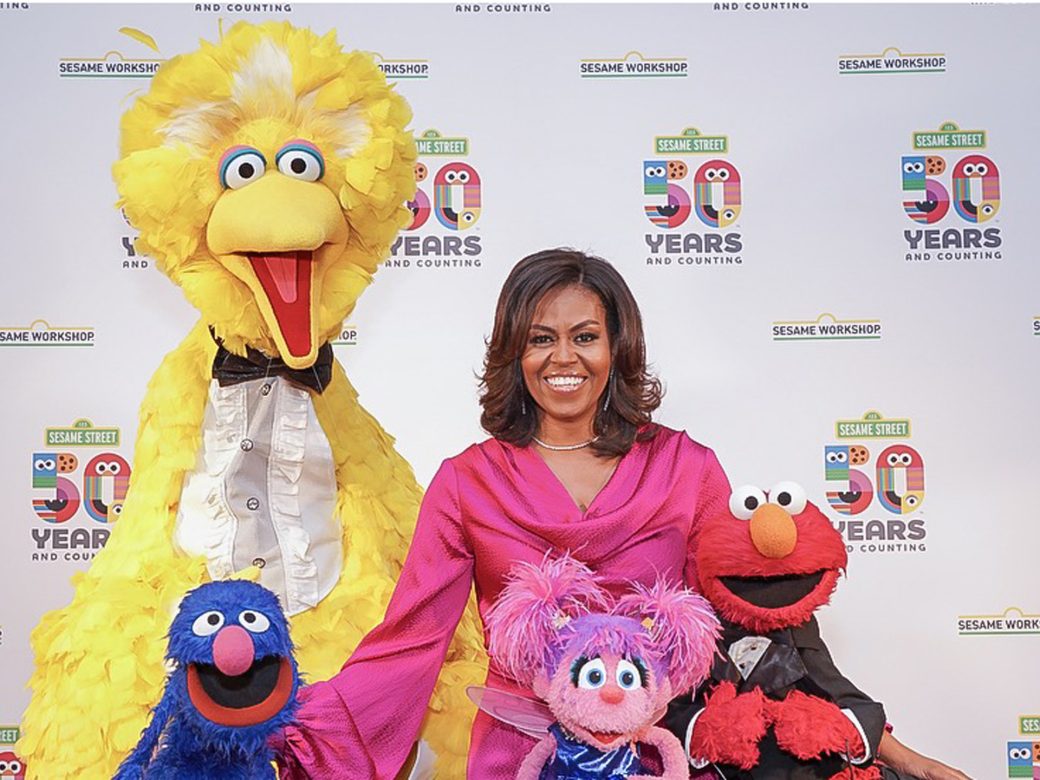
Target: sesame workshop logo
{"points": [[891, 60], [397, 70], [40, 333], [897, 482], [634, 66], [975, 184], [674, 191], [347, 337], [457, 204], [826, 327], [1009, 622], [62, 494], [113, 64]]}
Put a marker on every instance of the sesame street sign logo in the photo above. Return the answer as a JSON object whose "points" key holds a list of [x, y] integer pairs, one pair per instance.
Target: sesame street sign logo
{"points": [[944, 169], [456, 206], [681, 194], [62, 493], [895, 484]]}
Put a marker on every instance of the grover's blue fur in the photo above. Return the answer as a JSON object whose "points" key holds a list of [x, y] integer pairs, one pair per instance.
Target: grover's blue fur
{"points": [[191, 747]]}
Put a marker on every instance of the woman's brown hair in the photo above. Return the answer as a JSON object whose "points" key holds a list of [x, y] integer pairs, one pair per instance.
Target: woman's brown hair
{"points": [[633, 393]]}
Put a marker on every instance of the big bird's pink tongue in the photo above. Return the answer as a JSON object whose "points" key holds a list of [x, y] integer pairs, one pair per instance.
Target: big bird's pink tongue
{"points": [[286, 281]]}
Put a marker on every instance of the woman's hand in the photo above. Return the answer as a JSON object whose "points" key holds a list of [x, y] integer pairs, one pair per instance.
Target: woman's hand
{"points": [[901, 758]]}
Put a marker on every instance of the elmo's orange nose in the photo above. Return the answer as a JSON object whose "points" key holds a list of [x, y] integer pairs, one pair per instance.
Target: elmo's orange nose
{"points": [[773, 531]]}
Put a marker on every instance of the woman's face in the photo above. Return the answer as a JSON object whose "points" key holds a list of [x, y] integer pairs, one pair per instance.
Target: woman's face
{"points": [[566, 363]]}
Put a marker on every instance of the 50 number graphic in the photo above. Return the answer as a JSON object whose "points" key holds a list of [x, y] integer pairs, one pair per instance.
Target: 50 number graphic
{"points": [[715, 190], [976, 188], [105, 481], [456, 197], [899, 478]]}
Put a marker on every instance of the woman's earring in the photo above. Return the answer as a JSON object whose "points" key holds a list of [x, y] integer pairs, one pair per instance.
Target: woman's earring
{"points": [[523, 406], [610, 381]]}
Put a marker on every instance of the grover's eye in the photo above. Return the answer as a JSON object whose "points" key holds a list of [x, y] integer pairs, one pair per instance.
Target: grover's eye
{"points": [[254, 621], [241, 165], [301, 160], [789, 495], [592, 674], [629, 676], [207, 624], [745, 500]]}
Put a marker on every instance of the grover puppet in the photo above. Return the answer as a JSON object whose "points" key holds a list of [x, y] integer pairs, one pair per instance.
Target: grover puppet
{"points": [[775, 706], [606, 667], [234, 685]]}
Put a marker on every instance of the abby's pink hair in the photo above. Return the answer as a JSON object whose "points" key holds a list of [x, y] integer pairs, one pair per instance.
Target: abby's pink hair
{"points": [[547, 613]]}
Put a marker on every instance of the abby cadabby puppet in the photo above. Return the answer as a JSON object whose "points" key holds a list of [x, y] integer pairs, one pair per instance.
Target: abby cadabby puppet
{"points": [[605, 667]]}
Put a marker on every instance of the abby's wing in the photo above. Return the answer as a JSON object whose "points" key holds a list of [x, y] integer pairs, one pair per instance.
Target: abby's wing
{"points": [[530, 716]]}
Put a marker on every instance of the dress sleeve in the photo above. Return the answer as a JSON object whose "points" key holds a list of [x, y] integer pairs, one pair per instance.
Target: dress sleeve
{"points": [[363, 722], [712, 498]]}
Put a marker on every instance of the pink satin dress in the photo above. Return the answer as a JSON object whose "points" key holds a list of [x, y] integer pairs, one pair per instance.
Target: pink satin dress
{"points": [[485, 509]]}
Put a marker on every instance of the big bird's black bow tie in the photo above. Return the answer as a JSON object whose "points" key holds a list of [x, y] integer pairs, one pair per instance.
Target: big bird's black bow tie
{"points": [[230, 369]]}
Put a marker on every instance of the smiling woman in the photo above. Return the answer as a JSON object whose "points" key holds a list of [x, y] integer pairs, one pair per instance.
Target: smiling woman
{"points": [[575, 465]]}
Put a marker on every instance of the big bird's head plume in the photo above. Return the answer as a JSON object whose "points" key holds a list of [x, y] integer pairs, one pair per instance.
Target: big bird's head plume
{"points": [[267, 175]]}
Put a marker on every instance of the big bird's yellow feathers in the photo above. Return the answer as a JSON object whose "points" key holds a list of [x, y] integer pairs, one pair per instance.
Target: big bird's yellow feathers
{"points": [[99, 664]]}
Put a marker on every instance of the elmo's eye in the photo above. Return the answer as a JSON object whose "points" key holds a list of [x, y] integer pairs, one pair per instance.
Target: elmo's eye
{"points": [[207, 624], [14, 767], [629, 677], [789, 495], [301, 160], [591, 674], [241, 165], [745, 500], [254, 621]]}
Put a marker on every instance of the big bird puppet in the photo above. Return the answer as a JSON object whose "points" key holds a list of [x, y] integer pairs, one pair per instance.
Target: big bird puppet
{"points": [[267, 174]]}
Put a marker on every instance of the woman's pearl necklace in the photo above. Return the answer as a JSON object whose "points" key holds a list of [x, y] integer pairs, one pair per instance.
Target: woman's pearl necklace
{"points": [[564, 447]]}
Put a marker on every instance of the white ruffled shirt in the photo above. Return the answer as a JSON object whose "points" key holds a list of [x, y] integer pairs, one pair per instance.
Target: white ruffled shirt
{"points": [[263, 492]]}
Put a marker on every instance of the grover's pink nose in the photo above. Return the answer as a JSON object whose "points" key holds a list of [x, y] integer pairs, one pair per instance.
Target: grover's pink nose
{"points": [[233, 650]]}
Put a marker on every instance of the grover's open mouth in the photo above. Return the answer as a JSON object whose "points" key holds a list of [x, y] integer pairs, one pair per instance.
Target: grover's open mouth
{"points": [[246, 699], [773, 592]]}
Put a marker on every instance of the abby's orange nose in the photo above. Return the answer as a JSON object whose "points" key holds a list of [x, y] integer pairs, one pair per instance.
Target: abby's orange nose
{"points": [[773, 531], [611, 695]]}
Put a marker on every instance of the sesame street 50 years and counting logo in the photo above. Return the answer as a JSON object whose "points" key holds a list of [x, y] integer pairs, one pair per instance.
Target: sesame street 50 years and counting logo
{"points": [[693, 203]]}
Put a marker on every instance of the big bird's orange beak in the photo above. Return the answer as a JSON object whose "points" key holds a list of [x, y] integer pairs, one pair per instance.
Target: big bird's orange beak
{"points": [[277, 235]]}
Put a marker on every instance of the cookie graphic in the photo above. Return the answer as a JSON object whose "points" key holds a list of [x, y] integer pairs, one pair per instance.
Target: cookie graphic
{"points": [[66, 462], [858, 455], [421, 172], [933, 166], [677, 169]]}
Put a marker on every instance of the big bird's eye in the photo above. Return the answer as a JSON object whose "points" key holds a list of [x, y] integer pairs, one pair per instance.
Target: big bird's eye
{"points": [[591, 674], [745, 500], [629, 676], [301, 160], [255, 622], [241, 165], [789, 495], [207, 624]]}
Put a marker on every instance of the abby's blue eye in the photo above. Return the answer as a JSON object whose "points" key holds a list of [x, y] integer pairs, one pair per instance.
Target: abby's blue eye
{"points": [[301, 160], [592, 674], [629, 676], [241, 165]]}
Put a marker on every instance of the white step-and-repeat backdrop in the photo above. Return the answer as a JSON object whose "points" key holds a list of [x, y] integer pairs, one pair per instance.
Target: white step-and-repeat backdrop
{"points": [[799, 302]]}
